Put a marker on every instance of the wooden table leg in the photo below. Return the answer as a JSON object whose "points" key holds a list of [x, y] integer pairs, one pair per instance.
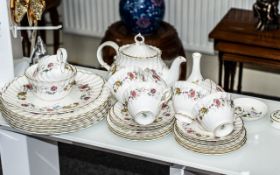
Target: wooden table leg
{"points": [[232, 75], [226, 75], [240, 77], [220, 68]]}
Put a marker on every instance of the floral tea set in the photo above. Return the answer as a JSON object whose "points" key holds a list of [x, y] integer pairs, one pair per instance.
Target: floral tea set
{"points": [[144, 87], [54, 97]]}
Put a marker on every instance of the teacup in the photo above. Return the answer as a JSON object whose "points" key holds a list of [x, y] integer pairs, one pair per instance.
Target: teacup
{"points": [[151, 75], [119, 81], [144, 101], [215, 113], [185, 96], [210, 86]]}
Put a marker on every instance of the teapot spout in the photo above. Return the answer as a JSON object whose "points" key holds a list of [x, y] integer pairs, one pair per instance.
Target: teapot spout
{"points": [[174, 71]]}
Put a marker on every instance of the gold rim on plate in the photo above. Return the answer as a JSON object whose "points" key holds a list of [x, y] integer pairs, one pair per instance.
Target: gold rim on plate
{"points": [[236, 145], [212, 147], [205, 142]]}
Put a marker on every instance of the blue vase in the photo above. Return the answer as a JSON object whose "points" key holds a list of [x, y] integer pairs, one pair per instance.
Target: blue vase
{"points": [[142, 16]]}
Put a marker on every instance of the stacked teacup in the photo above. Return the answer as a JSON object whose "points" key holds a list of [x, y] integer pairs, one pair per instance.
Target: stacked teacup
{"points": [[144, 95], [203, 111]]}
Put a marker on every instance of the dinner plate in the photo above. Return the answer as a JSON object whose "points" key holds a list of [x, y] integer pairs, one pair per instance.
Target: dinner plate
{"points": [[49, 124], [250, 109], [102, 98], [87, 88], [60, 122], [81, 122]]}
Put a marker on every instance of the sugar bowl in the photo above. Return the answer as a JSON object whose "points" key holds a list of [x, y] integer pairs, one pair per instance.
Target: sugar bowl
{"points": [[52, 77]]}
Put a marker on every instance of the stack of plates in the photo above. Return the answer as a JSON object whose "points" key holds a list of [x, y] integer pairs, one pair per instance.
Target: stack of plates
{"points": [[193, 137], [121, 123], [87, 103]]}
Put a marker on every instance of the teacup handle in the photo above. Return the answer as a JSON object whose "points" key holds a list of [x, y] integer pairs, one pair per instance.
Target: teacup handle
{"points": [[166, 95], [100, 56], [61, 55]]}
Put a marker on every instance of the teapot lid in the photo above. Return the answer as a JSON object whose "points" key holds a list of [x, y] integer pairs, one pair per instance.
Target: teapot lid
{"points": [[139, 49]]}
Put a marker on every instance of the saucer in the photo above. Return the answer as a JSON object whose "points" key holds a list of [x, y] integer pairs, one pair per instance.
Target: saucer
{"points": [[139, 134], [122, 118], [211, 149], [87, 88], [249, 108], [195, 132]]}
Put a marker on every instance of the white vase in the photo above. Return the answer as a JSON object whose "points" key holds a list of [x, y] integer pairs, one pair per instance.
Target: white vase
{"points": [[195, 74]]}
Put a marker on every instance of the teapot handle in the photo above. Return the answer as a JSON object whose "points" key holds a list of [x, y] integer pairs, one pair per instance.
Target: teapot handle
{"points": [[100, 56]]}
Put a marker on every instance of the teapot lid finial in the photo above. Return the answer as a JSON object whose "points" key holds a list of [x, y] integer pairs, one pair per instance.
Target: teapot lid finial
{"points": [[139, 39], [139, 49]]}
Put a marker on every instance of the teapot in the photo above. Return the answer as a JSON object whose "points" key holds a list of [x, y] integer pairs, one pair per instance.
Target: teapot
{"points": [[141, 55]]}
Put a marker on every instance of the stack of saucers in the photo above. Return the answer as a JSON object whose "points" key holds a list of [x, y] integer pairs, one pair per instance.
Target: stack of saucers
{"points": [[55, 105], [193, 137], [205, 119], [122, 123], [143, 110]]}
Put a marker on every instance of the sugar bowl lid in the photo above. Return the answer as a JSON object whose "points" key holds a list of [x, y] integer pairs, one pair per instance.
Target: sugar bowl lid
{"points": [[53, 66], [139, 49]]}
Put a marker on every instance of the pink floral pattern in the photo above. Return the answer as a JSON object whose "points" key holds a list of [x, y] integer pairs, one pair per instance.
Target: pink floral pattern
{"points": [[216, 103], [136, 92], [22, 95], [191, 93], [155, 75], [130, 76], [28, 86], [53, 88], [85, 89], [50, 65], [46, 68]]}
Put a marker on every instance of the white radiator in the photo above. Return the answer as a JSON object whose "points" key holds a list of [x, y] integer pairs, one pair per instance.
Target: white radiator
{"points": [[193, 19]]}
